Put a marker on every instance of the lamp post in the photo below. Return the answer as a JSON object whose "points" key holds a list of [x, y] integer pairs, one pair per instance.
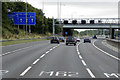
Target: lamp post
{"points": [[26, 17], [53, 27]]}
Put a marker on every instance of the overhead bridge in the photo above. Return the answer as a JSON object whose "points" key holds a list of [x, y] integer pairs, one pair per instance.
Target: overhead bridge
{"points": [[91, 26], [90, 23]]}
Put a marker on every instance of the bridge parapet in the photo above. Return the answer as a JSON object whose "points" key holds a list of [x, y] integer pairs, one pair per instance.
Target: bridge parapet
{"points": [[89, 20]]}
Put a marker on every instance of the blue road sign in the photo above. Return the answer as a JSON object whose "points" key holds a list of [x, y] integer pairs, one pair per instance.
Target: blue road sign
{"points": [[66, 33], [19, 18]]}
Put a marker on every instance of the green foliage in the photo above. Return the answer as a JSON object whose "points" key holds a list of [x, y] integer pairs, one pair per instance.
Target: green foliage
{"points": [[97, 32], [43, 25]]}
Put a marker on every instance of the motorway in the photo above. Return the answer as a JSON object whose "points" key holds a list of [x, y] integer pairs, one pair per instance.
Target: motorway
{"points": [[45, 60]]}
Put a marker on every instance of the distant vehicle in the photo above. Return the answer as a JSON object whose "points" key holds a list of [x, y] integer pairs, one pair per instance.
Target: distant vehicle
{"points": [[54, 40], [71, 40], [75, 39], [48, 38], [61, 39], [107, 36], [78, 39], [87, 40], [94, 37]]}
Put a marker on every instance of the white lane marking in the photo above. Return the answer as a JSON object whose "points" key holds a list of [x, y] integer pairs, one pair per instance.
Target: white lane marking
{"points": [[47, 52], [6, 53], [22, 74], [51, 49], [42, 56], [105, 52], [77, 50], [16, 50], [84, 63], [90, 72], [111, 75], [59, 73], [80, 57], [78, 53], [36, 61], [2, 72]]}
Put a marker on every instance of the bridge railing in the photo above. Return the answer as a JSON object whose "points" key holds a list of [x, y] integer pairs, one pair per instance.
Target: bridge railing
{"points": [[112, 21]]}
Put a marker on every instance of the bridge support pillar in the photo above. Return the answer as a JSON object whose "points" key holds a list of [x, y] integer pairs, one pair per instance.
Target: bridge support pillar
{"points": [[112, 33]]}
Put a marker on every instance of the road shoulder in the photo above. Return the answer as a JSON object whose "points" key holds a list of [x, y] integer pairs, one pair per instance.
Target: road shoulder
{"points": [[109, 46]]}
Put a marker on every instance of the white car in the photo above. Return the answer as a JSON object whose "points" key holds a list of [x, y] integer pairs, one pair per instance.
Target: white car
{"points": [[78, 39]]}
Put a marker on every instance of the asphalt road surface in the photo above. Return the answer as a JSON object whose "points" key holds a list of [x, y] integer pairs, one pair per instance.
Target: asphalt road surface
{"points": [[45, 60]]}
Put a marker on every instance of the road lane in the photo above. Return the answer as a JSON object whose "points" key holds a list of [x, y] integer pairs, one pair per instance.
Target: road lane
{"points": [[99, 44], [53, 61], [97, 61], [18, 61], [63, 62], [10, 48]]}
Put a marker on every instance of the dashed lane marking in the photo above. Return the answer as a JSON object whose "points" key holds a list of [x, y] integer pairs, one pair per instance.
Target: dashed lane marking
{"points": [[22, 74], [42, 56], [36, 61], [51, 49], [80, 57], [84, 63], [78, 53], [47, 52], [16, 50], [89, 71]]}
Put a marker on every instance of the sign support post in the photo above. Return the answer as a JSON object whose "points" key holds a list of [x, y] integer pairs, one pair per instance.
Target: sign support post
{"points": [[29, 29], [24, 28], [18, 27]]}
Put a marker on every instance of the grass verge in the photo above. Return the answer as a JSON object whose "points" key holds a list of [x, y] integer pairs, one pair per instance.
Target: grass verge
{"points": [[20, 41]]}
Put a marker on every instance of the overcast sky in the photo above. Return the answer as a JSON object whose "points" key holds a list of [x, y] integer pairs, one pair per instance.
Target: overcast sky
{"points": [[77, 8]]}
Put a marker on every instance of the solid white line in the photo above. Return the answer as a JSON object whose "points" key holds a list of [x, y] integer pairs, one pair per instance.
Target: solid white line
{"points": [[36, 61], [89, 71], [105, 52], [84, 63], [22, 74]]}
